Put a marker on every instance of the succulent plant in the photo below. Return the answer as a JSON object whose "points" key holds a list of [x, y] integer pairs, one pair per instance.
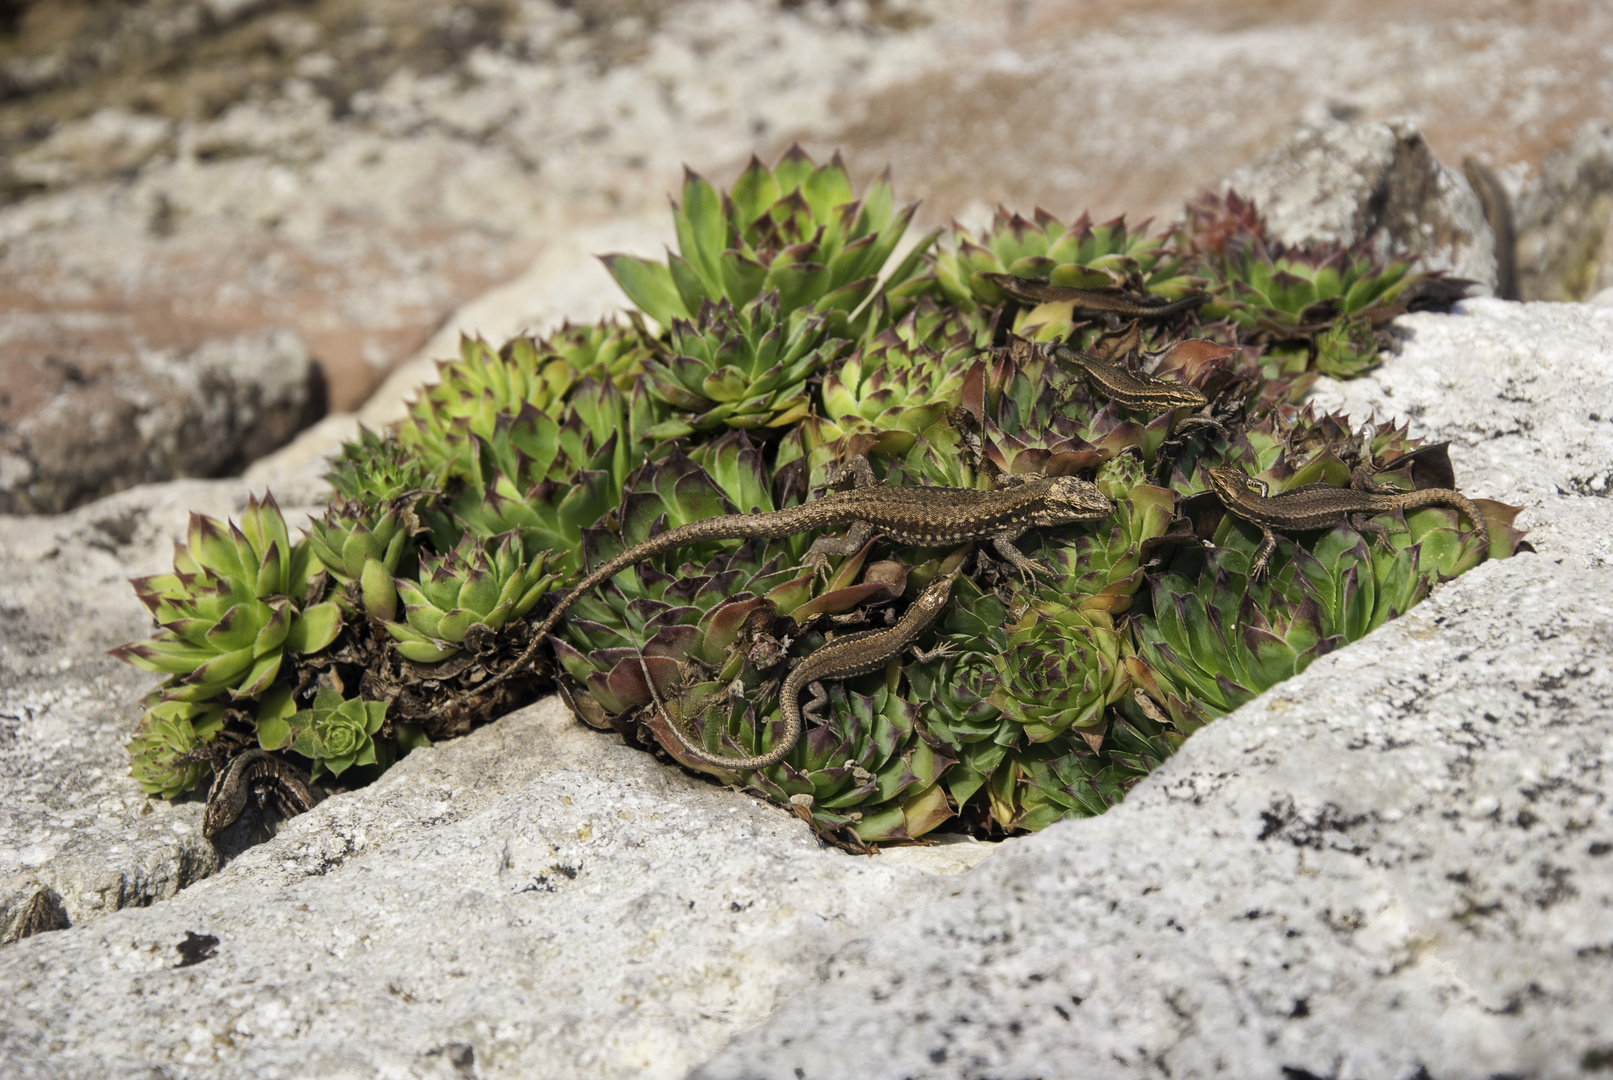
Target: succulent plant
{"points": [[364, 552], [870, 769], [470, 592], [905, 379], [1080, 255], [374, 471], [546, 479], [740, 367], [334, 733], [484, 385], [236, 604], [780, 353], [1319, 303], [795, 230], [163, 748]]}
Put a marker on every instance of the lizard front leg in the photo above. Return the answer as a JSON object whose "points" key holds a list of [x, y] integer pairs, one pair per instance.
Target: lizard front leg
{"points": [[817, 556], [1004, 543], [1268, 544]]}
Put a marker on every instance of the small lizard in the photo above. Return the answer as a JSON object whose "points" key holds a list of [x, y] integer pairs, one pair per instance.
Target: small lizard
{"points": [[1098, 301], [927, 516], [843, 658], [1142, 392], [257, 773], [1321, 506]]}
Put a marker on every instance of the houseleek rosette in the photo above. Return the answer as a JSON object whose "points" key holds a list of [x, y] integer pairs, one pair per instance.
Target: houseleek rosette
{"points": [[236, 604], [474, 590]]}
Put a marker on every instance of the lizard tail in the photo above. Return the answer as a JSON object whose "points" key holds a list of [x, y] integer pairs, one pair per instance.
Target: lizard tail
{"points": [[727, 527]]}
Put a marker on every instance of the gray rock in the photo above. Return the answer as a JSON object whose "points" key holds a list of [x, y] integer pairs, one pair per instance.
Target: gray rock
{"points": [[1398, 864], [1565, 221], [1374, 182], [1524, 393], [90, 415], [532, 900]]}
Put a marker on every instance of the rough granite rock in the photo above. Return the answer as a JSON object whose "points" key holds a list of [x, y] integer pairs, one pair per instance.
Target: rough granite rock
{"points": [[1374, 182], [532, 900]]}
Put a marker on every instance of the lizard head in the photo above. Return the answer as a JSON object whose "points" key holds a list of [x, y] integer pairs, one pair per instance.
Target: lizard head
{"points": [[1069, 499], [1229, 484]]}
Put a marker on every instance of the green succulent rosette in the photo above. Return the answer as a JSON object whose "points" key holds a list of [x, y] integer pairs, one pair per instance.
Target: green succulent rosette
{"points": [[235, 606], [162, 750], [484, 386], [740, 367], [466, 596], [363, 552], [374, 471], [1060, 670], [335, 733], [796, 231], [869, 772], [905, 380], [1045, 250], [548, 479], [1316, 306]]}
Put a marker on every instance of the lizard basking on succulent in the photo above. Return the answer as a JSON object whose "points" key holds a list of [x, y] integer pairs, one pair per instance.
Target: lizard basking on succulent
{"points": [[1321, 506], [843, 658], [926, 516]]}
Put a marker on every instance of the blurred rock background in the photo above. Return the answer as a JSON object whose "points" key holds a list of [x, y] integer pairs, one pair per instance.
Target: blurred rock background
{"points": [[222, 219]]}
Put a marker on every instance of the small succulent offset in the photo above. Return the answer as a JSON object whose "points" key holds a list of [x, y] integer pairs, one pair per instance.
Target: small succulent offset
{"points": [[336, 733], [783, 338]]}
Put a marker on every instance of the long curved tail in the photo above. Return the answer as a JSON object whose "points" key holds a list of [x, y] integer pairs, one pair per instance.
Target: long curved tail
{"points": [[726, 527]]}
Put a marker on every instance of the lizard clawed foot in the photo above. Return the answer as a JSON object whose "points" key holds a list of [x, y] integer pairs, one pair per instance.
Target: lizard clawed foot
{"points": [[924, 656]]}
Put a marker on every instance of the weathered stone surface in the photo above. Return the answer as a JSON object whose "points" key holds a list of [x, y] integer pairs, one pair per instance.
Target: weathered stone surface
{"points": [[533, 900], [1397, 864], [87, 415], [1565, 220], [1376, 183], [1524, 393]]}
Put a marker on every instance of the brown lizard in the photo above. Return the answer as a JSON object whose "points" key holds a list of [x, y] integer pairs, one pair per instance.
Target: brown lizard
{"points": [[927, 516], [1321, 506], [257, 773], [1142, 392], [843, 658]]}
